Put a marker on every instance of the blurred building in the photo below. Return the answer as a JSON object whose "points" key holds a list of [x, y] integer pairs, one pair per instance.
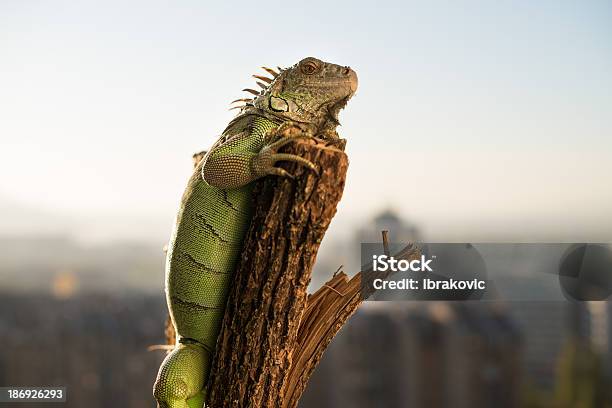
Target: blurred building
{"points": [[400, 230], [428, 354], [545, 328], [346, 252], [95, 345], [600, 326]]}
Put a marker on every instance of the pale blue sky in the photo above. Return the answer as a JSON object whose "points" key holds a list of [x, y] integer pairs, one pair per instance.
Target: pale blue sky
{"points": [[476, 114]]}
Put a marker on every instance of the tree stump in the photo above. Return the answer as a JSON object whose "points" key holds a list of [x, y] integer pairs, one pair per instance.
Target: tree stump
{"points": [[255, 349]]}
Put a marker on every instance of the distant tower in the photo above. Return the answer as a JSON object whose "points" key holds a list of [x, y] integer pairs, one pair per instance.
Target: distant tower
{"points": [[400, 231], [347, 252]]}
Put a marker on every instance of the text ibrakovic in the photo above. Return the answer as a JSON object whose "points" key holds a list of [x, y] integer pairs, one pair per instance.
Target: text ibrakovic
{"points": [[386, 263]]}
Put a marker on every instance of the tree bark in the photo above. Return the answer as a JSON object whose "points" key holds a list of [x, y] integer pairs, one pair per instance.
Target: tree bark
{"points": [[257, 343]]}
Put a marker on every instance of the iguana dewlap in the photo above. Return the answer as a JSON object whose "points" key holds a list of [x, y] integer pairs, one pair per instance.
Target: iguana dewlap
{"points": [[215, 211]]}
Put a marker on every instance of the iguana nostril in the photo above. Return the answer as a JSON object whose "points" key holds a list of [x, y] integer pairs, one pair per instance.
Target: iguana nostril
{"points": [[346, 70]]}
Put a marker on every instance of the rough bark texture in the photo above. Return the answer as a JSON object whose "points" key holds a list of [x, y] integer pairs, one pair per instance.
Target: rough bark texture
{"points": [[257, 343]]}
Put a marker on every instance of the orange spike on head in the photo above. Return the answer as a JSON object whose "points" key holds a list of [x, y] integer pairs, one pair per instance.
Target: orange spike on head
{"points": [[270, 71], [263, 78]]}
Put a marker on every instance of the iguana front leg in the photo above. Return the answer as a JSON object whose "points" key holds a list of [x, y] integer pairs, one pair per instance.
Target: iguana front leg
{"points": [[228, 167]]}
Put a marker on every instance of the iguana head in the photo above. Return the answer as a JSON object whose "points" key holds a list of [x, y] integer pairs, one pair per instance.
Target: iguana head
{"points": [[311, 91]]}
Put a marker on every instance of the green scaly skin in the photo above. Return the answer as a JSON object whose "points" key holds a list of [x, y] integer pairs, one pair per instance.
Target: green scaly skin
{"points": [[216, 209]]}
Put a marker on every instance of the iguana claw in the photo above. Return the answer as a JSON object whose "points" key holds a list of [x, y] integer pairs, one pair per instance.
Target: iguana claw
{"points": [[277, 171], [263, 163], [296, 159], [286, 140]]}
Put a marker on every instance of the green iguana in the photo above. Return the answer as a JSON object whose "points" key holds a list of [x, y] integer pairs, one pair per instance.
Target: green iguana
{"points": [[301, 101]]}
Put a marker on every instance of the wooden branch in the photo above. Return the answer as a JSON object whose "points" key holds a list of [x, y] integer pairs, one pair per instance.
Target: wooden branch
{"points": [[257, 343]]}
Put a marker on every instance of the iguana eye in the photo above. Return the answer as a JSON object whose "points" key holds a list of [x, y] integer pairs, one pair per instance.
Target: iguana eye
{"points": [[309, 67]]}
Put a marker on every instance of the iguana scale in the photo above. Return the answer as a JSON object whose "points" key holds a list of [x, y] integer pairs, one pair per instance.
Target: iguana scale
{"points": [[215, 211]]}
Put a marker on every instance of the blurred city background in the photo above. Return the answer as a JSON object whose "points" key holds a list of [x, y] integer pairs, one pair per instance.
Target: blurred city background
{"points": [[475, 121], [83, 315]]}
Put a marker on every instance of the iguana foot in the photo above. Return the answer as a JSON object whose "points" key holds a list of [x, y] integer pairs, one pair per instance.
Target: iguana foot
{"points": [[263, 163], [181, 377]]}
